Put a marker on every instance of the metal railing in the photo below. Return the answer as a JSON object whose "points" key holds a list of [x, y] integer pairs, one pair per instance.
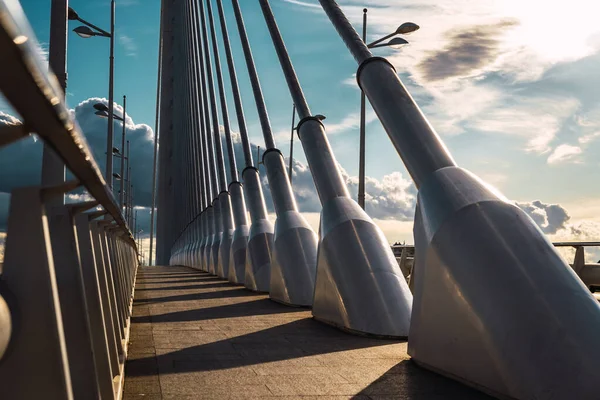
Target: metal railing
{"points": [[66, 287], [589, 273]]}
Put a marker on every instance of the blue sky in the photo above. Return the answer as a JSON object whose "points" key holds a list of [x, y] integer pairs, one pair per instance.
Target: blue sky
{"points": [[136, 51], [512, 91]]}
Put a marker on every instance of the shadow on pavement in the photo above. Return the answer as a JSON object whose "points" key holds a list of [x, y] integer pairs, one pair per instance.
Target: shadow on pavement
{"points": [[407, 380]]}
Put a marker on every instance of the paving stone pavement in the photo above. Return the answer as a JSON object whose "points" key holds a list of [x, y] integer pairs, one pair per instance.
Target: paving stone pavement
{"points": [[196, 336]]}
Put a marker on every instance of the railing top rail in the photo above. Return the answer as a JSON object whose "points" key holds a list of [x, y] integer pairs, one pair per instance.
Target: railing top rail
{"points": [[556, 244], [33, 90], [576, 244]]}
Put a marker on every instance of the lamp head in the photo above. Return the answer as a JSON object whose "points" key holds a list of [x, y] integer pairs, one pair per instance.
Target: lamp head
{"points": [[84, 32], [396, 42], [72, 15], [101, 107], [406, 28]]}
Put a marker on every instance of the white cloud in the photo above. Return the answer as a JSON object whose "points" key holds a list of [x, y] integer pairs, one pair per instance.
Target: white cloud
{"points": [[585, 139], [140, 136], [129, 45], [495, 179], [549, 217], [27, 152], [389, 198], [556, 222], [564, 153], [472, 58], [350, 121], [7, 119], [303, 3], [78, 197], [588, 124], [536, 120]]}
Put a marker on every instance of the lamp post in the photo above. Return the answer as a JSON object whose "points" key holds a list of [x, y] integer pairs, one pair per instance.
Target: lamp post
{"points": [[156, 129], [103, 112], [122, 147], [132, 211], [87, 31], [292, 141], [128, 170], [53, 169], [405, 28]]}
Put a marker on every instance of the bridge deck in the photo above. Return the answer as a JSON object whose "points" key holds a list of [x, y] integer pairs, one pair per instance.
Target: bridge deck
{"points": [[196, 336]]}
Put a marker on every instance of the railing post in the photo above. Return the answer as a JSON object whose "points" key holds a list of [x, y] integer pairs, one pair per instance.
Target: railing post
{"points": [[35, 364], [119, 334], [96, 314], [73, 303], [114, 344], [117, 279]]}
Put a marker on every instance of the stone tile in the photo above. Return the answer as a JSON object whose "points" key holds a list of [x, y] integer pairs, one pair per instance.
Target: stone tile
{"points": [[142, 385], [196, 337], [142, 396]]}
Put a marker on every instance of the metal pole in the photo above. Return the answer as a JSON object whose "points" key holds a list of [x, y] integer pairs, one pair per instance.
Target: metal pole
{"points": [[197, 129], [292, 143], [178, 116], [362, 139], [202, 127], [222, 98], [164, 210], [53, 169], [122, 185], [132, 208], [250, 245], [295, 244], [328, 179], [191, 95], [109, 136], [156, 129], [182, 148], [225, 198], [232, 202], [219, 165], [208, 155], [471, 244], [417, 143], [218, 175], [128, 171], [350, 243]]}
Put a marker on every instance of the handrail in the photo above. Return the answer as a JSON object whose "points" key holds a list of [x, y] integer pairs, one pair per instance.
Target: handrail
{"points": [[37, 97], [576, 244]]}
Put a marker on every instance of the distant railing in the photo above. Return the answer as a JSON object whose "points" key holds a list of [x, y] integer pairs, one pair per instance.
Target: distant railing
{"points": [[67, 282], [589, 273]]}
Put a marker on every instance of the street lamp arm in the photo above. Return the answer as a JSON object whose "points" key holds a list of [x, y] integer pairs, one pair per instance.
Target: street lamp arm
{"points": [[101, 32], [395, 42], [375, 43]]}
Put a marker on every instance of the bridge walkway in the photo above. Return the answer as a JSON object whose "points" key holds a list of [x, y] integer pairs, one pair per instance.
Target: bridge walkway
{"points": [[196, 336]]}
